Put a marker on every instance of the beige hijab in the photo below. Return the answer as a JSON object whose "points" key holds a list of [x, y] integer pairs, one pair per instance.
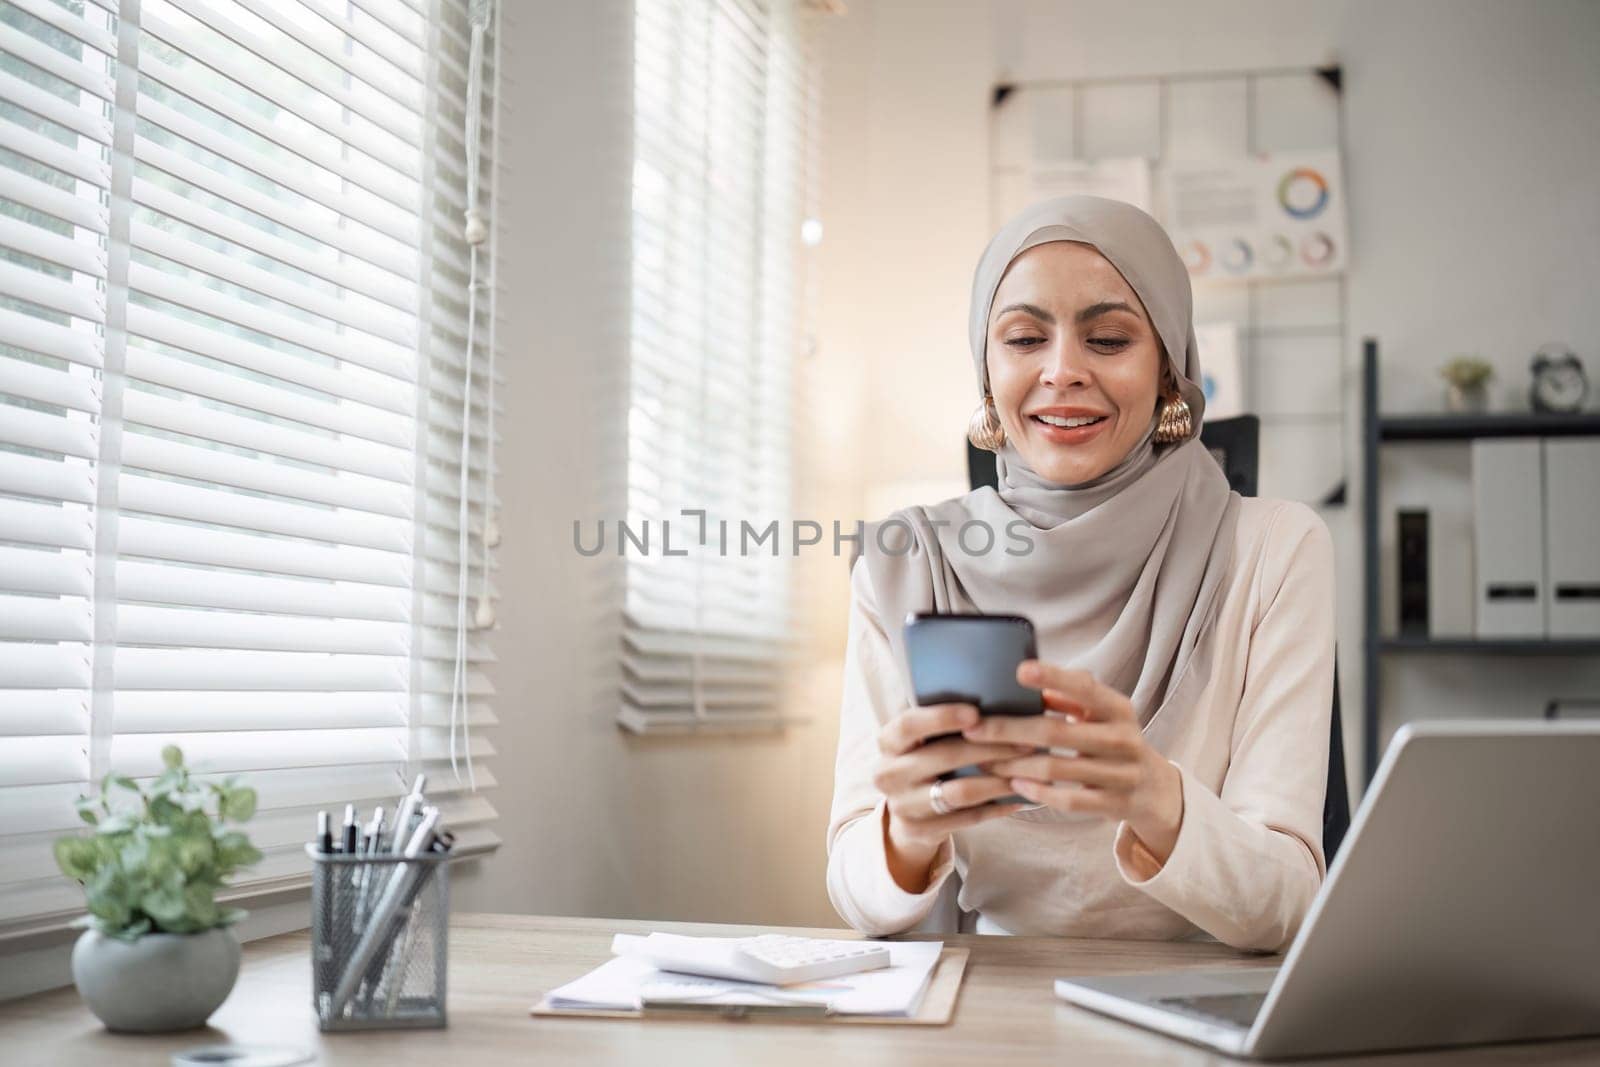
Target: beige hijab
{"points": [[1124, 571]]}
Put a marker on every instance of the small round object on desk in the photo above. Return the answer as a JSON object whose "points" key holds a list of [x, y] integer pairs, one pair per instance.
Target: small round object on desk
{"points": [[240, 1056]]}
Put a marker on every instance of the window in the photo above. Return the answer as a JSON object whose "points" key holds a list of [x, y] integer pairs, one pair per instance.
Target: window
{"points": [[233, 360], [722, 110]]}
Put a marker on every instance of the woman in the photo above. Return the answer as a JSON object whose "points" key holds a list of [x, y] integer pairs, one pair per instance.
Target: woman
{"points": [[1175, 785]]}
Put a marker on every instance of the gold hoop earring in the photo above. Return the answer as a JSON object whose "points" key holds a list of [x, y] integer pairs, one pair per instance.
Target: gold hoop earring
{"points": [[1176, 422], [985, 431]]}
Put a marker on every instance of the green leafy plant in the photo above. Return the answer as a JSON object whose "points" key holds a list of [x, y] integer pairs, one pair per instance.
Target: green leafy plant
{"points": [[155, 860], [1467, 372]]}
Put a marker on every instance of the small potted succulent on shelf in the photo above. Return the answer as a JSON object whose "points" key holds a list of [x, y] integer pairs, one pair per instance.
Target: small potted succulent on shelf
{"points": [[158, 954], [1468, 376]]}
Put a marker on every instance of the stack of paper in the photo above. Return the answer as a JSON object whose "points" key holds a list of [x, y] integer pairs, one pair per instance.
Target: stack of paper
{"points": [[624, 983]]}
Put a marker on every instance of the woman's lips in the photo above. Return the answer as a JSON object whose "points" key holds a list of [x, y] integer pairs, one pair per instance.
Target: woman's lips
{"points": [[1065, 435]]}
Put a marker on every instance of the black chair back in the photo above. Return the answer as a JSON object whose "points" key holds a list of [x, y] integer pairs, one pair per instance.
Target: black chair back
{"points": [[1336, 806], [1235, 443]]}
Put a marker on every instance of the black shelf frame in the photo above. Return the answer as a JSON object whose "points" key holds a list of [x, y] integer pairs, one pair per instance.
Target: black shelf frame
{"points": [[1468, 427], [1377, 430], [1490, 646]]}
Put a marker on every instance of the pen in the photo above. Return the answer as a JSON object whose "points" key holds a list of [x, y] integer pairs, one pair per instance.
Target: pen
{"points": [[409, 805], [372, 844], [369, 874], [408, 808], [652, 1006], [340, 881], [323, 968], [375, 830]]}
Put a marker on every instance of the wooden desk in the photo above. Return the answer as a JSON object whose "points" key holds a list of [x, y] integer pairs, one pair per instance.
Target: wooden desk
{"points": [[500, 964]]}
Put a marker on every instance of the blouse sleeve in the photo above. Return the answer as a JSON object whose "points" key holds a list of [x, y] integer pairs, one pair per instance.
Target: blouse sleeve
{"points": [[1248, 861], [863, 891]]}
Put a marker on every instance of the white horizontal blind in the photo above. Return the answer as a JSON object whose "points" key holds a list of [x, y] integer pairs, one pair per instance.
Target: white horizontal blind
{"points": [[721, 109], [57, 85], [264, 537], [275, 598]]}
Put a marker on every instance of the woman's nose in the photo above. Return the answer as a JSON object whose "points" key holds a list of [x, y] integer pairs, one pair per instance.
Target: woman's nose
{"points": [[1063, 366]]}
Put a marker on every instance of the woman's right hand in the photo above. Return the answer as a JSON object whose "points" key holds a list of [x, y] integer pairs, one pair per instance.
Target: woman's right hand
{"points": [[909, 766]]}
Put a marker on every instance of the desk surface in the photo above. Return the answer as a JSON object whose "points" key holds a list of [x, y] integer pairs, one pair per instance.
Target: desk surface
{"points": [[500, 964]]}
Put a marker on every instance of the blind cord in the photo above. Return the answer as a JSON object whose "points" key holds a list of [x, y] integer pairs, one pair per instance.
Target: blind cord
{"points": [[475, 230], [485, 616]]}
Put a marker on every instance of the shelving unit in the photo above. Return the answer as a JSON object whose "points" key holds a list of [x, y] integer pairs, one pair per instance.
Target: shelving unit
{"points": [[1378, 430]]}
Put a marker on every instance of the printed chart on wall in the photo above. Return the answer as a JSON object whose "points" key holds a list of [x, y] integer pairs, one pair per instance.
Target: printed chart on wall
{"points": [[1273, 216], [1244, 170]]}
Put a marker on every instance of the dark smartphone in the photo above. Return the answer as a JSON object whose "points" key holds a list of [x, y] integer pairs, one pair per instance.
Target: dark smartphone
{"points": [[971, 659]]}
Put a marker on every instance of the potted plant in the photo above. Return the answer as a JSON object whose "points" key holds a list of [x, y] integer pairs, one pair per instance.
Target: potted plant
{"points": [[158, 953], [1467, 375]]}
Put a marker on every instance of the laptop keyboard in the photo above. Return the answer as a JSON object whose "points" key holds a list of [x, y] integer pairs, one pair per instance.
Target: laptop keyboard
{"points": [[1230, 1009]]}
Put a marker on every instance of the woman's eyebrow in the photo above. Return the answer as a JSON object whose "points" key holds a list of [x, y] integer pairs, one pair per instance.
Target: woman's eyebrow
{"points": [[1094, 311], [1031, 309]]}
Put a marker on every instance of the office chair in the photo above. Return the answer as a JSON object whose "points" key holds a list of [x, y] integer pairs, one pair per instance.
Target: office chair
{"points": [[1235, 444]]}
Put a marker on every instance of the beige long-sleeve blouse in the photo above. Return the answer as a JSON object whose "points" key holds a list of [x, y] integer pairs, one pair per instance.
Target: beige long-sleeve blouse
{"points": [[1252, 749]]}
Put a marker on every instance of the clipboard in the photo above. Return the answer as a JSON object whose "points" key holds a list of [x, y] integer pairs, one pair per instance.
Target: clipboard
{"points": [[937, 1008]]}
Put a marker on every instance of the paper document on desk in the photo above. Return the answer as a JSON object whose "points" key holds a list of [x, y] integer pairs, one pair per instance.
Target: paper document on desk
{"points": [[623, 983]]}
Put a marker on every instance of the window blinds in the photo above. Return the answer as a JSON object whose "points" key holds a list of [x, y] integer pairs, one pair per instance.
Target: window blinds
{"points": [[227, 482], [722, 109], [57, 87]]}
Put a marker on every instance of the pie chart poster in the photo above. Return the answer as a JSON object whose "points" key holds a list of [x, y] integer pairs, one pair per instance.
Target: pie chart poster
{"points": [[1268, 216]]}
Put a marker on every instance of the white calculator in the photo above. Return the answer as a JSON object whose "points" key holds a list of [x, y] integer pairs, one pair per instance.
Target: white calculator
{"points": [[773, 959]]}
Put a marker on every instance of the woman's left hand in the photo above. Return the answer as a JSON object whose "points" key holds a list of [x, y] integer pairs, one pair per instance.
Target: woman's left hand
{"points": [[1115, 773]]}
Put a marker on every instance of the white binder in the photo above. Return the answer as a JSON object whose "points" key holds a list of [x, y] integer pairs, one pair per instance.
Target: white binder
{"points": [[1572, 535], [1508, 514]]}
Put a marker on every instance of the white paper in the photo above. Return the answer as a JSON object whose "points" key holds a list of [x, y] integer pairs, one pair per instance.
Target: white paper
{"points": [[1224, 384], [621, 983], [1127, 180]]}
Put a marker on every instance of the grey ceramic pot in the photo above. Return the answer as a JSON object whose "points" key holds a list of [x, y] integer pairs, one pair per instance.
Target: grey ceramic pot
{"points": [[1466, 401], [158, 982]]}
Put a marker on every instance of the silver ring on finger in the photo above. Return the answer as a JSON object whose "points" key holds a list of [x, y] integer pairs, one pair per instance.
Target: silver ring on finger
{"points": [[936, 799]]}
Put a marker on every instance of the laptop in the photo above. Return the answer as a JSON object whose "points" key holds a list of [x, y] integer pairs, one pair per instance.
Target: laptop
{"points": [[1464, 907]]}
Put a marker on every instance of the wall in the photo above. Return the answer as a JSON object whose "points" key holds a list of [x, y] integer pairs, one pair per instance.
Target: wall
{"points": [[1470, 157], [596, 822]]}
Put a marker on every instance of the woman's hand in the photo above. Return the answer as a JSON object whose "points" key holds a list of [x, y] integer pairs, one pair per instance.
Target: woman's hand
{"points": [[911, 764], [1114, 771]]}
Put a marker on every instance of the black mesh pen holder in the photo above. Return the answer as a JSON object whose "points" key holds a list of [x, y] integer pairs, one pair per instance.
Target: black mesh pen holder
{"points": [[379, 935]]}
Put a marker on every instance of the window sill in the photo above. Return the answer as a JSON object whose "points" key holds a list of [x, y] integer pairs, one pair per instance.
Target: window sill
{"points": [[55, 928], [683, 723]]}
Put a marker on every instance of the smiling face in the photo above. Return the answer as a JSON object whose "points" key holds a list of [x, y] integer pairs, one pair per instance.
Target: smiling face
{"points": [[1075, 367]]}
